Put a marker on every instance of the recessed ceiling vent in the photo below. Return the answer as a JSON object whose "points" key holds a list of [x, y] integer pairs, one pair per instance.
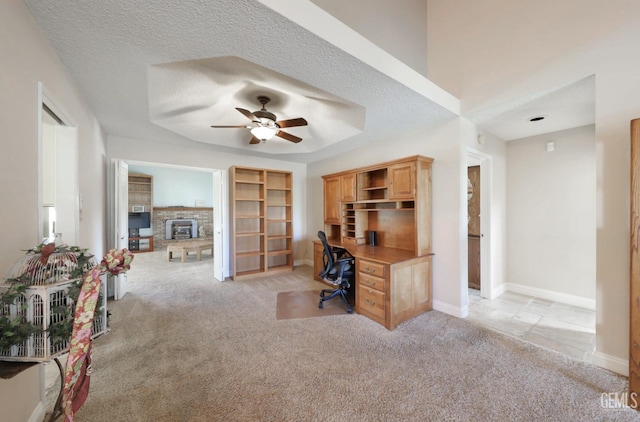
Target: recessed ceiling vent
{"points": [[537, 118]]}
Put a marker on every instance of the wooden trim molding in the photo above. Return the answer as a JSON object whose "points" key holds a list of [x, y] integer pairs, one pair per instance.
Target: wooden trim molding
{"points": [[634, 273], [182, 208]]}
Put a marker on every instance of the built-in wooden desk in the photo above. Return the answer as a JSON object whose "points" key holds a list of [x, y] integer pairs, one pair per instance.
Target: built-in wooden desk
{"points": [[391, 285], [387, 205]]}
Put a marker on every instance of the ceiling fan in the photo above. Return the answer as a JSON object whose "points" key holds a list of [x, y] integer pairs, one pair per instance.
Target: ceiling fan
{"points": [[264, 124]]}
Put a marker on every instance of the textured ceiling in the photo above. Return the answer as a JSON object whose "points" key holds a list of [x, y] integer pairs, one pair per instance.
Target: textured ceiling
{"points": [[167, 70], [121, 53], [562, 108], [187, 97]]}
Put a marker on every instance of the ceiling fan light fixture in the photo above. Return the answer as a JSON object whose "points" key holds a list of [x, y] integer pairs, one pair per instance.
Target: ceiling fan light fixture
{"points": [[264, 125], [263, 133]]}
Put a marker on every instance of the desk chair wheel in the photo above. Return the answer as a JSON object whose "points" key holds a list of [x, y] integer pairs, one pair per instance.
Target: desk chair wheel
{"points": [[320, 306]]}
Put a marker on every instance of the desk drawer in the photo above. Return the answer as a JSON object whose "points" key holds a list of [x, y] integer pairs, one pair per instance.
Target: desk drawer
{"points": [[372, 268], [371, 303], [367, 280]]}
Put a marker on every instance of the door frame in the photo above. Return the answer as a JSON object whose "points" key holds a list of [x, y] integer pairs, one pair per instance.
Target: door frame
{"points": [[486, 182], [220, 252], [45, 99], [634, 270], [120, 236]]}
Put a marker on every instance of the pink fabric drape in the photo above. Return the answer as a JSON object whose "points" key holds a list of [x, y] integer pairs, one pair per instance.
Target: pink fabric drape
{"points": [[78, 368]]}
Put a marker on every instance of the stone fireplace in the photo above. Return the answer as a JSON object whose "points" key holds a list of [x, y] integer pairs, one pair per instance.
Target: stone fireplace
{"points": [[202, 215], [181, 229]]}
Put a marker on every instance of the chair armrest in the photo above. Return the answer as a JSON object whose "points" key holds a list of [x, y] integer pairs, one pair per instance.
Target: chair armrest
{"points": [[342, 263]]}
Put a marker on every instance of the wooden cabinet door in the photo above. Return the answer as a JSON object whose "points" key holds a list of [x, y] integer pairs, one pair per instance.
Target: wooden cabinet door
{"points": [[410, 288], [318, 264], [348, 187], [402, 181], [332, 197]]}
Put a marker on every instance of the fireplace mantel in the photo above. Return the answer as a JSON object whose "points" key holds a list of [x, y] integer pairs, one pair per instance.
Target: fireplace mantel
{"points": [[182, 208]]}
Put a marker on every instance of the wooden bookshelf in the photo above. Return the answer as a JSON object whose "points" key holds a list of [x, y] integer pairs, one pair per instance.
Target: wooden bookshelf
{"points": [[141, 191], [261, 226], [141, 195]]}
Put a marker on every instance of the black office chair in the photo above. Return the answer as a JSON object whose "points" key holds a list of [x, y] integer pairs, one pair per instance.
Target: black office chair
{"points": [[337, 270]]}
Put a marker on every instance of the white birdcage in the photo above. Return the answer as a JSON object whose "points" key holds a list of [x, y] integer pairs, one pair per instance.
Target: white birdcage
{"points": [[63, 264], [48, 299]]}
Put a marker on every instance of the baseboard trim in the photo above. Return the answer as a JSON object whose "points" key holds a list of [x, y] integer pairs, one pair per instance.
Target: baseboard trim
{"points": [[448, 309], [38, 413], [298, 262], [497, 291], [567, 299], [612, 363]]}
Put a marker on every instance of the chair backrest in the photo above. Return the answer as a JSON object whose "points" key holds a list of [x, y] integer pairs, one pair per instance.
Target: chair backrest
{"points": [[327, 256]]}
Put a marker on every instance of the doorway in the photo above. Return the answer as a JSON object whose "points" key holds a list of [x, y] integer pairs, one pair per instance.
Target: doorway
{"points": [[216, 198], [59, 209], [474, 233], [479, 223]]}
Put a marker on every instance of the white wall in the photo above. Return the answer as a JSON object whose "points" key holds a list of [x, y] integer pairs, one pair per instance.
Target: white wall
{"points": [[551, 204], [493, 154], [172, 186], [398, 27], [471, 51], [28, 58]]}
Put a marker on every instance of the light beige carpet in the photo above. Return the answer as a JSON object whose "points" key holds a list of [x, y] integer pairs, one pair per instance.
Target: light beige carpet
{"points": [[304, 304], [184, 347]]}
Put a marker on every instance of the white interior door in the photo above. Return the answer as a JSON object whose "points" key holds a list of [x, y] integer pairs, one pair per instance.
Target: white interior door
{"points": [[121, 184], [218, 270], [66, 183]]}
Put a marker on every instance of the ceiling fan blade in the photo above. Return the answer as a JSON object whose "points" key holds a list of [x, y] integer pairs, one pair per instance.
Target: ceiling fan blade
{"points": [[292, 122], [243, 127], [249, 115], [254, 140], [288, 136]]}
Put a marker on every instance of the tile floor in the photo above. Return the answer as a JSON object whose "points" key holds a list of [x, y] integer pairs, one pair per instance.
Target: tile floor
{"points": [[556, 326]]}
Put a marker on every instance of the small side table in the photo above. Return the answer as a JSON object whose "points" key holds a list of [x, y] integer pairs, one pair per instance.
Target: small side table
{"points": [[187, 246]]}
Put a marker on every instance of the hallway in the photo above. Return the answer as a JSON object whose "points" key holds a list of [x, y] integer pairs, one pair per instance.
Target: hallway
{"points": [[566, 329]]}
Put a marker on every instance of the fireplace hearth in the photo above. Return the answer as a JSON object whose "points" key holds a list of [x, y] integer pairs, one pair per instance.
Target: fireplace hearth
{"points": [[181, 229]]}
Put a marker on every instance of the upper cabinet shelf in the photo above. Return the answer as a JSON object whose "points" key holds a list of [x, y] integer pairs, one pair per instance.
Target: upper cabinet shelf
{"points": [[279, 181], [249, 175], [392, 199], [141, 191]]}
